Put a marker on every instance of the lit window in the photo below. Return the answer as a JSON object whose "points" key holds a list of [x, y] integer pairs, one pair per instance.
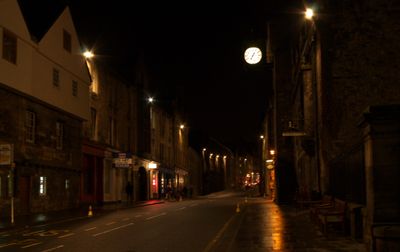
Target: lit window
{"points": [[66, 184], [59, 135], [30, 125], [56, 78], [42, 186], [67, 41], [9, 47], [75, 88]]}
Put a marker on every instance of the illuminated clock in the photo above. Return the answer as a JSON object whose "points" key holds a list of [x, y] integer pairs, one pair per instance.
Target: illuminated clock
{"points": [[252, 55]]}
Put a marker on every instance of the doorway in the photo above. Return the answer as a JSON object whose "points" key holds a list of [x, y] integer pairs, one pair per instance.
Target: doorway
{"points": [[142, 183], [24, 194]]}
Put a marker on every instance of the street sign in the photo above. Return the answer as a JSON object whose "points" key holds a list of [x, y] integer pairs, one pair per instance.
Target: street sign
{"points": [[294, 133]]}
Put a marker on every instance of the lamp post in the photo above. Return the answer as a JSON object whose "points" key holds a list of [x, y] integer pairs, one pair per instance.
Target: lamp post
{"points": [[262, 166]]}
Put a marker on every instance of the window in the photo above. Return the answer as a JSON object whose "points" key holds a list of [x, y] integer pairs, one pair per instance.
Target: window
{"points": [[66, 184], [59, 135], [93, 118], [162, 152], [75, 88], [111, 131], [30, 125], [42, 186], [9, 47], [56, 77], [67, 41]]}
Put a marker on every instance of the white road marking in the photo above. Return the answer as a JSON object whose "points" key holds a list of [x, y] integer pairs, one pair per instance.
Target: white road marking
{"points": [[155, 216], [125, 219], [31, 233], [180, 208], [110, 223], [90, 229], [6, 245], [52, 249], [110, 230], [137, 216], [63, 236], [31, 245]]}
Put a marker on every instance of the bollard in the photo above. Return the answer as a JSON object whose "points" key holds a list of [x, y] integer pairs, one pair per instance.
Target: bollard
{"points": [[90, 213], [237, 208]]}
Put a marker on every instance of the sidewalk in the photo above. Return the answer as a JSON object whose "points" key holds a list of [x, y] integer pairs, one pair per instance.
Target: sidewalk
{"points": [[266, 226], [38, 219]]}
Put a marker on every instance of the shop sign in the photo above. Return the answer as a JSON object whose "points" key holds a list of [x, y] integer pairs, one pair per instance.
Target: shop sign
{"points": [[6, 154], [152, 165], [122, 162]]}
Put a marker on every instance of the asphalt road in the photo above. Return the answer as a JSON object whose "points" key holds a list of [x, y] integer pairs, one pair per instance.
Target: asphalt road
{"points": [[204, 225]]}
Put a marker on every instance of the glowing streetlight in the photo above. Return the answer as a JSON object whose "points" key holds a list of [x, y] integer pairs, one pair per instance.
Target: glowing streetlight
{"points": [[88, 54], [182, 126], [272, 152], [261, 136], [309, 14], [150, 99]]}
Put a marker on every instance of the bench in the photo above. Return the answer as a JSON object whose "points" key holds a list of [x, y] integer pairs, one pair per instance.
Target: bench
{"points": [[326, 202], [334, 215]]}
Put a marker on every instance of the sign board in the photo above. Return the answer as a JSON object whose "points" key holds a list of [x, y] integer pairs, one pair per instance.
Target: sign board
{"points": [[152, 165], [6, 154], [122, 162], [293, 133]]}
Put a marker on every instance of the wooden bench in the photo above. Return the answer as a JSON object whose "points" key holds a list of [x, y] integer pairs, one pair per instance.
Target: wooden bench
{"points": [[326, 202], [335, 215]]}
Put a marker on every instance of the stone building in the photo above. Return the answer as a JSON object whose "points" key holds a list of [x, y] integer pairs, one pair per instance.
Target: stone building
{"points": [[110, 136], [338, 68], [44, 97]]}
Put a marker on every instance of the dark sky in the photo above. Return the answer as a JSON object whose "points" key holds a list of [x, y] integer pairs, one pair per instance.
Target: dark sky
{"points": [[194, 48]]}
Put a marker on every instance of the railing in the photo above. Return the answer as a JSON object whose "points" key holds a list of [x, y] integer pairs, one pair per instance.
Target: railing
{"points": [[347, 175]]}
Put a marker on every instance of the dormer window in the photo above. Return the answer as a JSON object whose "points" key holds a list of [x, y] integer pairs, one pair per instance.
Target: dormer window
{"points": [[56, 77], [67, 41], [9, 47]]}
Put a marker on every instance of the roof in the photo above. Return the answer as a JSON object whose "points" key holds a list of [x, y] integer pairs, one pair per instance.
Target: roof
{"points": [[40, 15]]}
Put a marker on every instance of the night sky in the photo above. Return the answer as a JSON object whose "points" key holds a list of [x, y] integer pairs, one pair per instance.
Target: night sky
{"points": [[193, 49]]}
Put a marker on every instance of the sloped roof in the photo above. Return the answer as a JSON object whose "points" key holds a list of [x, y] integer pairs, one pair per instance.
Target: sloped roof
{"points": [[40, 15]]}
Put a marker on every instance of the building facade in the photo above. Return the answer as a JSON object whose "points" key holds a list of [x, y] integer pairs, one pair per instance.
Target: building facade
{"points": [[332, 72], [44, 89]]}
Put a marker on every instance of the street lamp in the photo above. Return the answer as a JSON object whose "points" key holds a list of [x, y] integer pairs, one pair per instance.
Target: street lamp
{"points": [[88, 54], [309, 13]]}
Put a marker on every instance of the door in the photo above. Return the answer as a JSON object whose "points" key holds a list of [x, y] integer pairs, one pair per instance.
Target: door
{"points": [[24, 185], [142, 184]]}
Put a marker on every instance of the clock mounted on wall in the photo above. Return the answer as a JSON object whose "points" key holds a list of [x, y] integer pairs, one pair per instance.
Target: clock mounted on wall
{"points": [[252, 55]]}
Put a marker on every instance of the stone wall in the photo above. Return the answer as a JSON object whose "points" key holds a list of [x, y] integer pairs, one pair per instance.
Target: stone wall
{"points": [[361, 67], [40, 158]]}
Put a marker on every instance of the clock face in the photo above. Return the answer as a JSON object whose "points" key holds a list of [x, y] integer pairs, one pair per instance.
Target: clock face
{"points": [[252, 55]]}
